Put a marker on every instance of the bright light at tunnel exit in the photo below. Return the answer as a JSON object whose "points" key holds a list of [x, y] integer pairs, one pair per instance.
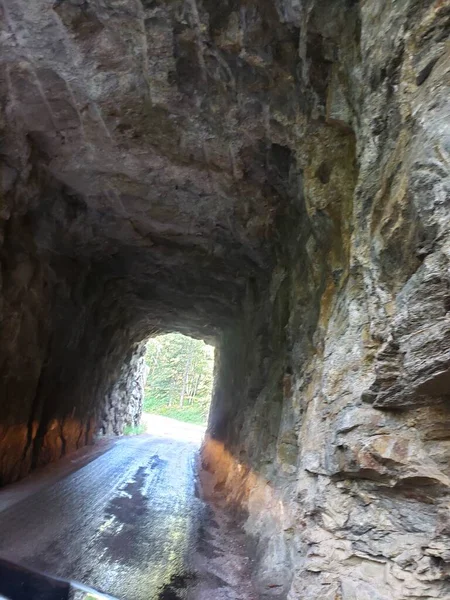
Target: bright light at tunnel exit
{"points": [[179, 378]]}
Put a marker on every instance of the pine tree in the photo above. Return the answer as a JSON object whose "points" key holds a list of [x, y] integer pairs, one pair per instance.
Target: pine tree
{"points": [[180, 377]]}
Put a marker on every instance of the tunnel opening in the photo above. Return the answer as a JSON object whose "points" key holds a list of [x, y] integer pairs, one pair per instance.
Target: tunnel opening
{"points": [[179, 378]]}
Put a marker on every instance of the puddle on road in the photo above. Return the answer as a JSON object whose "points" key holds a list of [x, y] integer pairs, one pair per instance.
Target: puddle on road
{"points": [[159, 544], [129, 539], [155, 461], [129, 508], [171, 591], [132, 503]]}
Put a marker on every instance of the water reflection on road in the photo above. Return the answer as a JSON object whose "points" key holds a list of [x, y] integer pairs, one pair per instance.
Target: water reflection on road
{"points": [[125, 523]]}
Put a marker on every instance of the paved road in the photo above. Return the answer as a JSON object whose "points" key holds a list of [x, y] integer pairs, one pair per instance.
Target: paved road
{"points": [[125, 523], [129, 523]]}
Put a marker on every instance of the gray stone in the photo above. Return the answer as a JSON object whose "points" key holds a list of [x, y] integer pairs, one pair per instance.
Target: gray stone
{"points": [[272, 177], [124, 402]]}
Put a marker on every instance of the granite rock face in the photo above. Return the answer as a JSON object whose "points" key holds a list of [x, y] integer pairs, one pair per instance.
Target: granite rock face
{"points": [[124, 402], [272, 176]]}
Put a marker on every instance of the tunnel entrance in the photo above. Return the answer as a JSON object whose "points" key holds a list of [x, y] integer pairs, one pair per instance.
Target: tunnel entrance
{"points": [[179, 378]]}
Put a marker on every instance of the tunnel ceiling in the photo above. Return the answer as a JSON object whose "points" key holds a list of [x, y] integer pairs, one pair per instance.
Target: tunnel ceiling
{"points": [[152, 141], [153, 160]]}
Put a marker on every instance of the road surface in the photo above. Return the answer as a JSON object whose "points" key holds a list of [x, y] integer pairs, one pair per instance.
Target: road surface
{"points": [[129, 523]]}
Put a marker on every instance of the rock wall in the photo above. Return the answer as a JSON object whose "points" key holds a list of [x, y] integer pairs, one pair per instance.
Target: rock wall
{"points": [[124, 402], [121, 206], [330, 421], [273, 175], [64, 339]]}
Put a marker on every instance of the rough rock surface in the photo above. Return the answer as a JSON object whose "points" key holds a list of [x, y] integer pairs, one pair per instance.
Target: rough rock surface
{"points": [[124, 402], [273, 175]]}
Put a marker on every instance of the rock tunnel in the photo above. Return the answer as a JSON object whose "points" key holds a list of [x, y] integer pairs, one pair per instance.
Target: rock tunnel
{"points": [[271, 176]]}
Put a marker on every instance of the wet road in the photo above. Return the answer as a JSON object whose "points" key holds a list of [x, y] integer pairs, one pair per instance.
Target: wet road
{"points": [[126, 523]]}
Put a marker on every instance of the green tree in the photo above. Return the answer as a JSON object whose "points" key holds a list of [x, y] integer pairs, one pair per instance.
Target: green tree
{"points": [[180, 377]]}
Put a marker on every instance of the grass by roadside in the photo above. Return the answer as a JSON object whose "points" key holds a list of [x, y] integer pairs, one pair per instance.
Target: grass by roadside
{"points": [[134, 430]]}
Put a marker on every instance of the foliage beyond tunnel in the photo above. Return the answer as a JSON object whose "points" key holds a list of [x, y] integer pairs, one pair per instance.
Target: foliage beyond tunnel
{"points": [[180, 378]]}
